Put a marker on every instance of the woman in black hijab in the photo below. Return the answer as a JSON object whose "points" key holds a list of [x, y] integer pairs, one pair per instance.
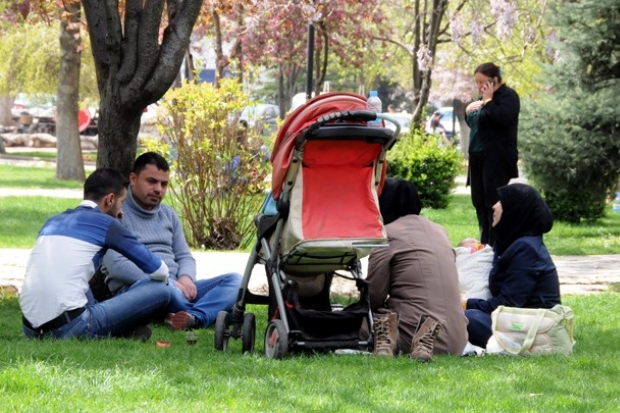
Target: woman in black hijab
{"points": [[416, 274], [523, 273], [398, 198]]}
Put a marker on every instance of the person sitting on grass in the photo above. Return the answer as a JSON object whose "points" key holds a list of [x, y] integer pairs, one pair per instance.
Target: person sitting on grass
{"points": [[523, 274], [194, 303], [416, 278], [56, 301]]}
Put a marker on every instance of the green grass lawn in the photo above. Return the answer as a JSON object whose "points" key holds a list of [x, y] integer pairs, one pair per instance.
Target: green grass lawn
{"points": [[51, 155], [600, 237], [44, 155], [33, 177], [23, 217], [125, 376]]}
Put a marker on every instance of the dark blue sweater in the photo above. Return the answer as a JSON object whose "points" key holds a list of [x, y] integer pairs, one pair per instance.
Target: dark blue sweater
{"points": [[523, 276]]}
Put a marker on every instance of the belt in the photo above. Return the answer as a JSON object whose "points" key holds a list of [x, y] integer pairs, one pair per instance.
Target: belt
{"points": [[57, 322]]}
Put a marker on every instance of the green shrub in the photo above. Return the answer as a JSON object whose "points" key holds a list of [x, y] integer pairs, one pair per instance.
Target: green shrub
{"points": [[573, 160], [218, 174], [421, 159], [570, 135]]}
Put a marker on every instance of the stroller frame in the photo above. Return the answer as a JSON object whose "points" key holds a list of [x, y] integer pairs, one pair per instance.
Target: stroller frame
{"points": [[284, 333]]}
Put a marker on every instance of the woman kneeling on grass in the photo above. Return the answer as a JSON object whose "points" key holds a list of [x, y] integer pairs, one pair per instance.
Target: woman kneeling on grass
{"points": [[523, 274]]}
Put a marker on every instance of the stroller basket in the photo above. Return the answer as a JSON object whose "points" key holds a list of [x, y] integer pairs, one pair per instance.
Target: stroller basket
{"points": [[322, 329]]}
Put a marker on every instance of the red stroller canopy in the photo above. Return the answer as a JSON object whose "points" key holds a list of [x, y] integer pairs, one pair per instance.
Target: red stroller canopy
{"points": [[299, 120]]}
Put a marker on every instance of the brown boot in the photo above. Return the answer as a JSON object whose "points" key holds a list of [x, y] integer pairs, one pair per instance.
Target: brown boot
{"points": [[424, 339], [386, 334]]}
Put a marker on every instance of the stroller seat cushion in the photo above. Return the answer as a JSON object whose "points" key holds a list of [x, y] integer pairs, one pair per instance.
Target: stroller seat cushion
{"points": [[309, 285]]}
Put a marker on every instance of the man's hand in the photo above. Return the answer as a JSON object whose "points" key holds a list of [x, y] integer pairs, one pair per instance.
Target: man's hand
{"points": [[187, 287]]}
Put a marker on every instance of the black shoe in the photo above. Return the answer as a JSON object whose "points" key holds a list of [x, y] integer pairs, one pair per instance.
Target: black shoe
{"points": [[142, 333]]}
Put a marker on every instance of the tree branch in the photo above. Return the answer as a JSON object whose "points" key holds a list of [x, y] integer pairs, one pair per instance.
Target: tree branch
{"points": [[219, 52], [172, 50], [97, 29], [133, 11], [148, 51], [398, 43]]}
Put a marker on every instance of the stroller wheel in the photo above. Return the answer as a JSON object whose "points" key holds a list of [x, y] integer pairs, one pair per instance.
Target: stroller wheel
{"points": [[248, 333], [222, 322], [276, 340]]}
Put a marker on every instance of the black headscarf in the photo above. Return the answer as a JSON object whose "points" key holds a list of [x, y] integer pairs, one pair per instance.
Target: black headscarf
{"points": [[398, 198], [524, 213]]}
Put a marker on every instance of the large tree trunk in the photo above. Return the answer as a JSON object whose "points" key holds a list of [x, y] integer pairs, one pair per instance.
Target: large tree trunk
{"points": [[5, 111], [118, 126], [134, 66], [70, 164]]}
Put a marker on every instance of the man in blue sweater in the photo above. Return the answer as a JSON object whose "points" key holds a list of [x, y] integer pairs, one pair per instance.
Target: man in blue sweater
{"points": [[195, 303], [56, 300]]}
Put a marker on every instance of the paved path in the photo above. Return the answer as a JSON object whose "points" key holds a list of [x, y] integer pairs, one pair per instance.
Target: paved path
{"points": [[578, 274]]}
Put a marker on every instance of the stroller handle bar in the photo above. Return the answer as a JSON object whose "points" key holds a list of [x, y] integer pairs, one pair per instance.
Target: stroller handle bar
{"points": [[361, 115]]}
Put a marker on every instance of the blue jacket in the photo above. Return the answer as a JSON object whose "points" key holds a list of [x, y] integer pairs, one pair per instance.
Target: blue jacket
{"points": [[68, 251], [524, 276]]}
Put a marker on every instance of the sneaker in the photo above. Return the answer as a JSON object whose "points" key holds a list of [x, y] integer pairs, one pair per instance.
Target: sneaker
{"points": [[142, 333], [180, 321]]}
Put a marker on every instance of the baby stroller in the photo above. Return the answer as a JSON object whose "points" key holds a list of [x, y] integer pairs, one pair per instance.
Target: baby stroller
{"points": [[321, 217]]}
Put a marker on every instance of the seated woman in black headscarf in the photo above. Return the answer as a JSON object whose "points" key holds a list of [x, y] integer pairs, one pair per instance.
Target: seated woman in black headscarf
{"points": [[523, 273]]}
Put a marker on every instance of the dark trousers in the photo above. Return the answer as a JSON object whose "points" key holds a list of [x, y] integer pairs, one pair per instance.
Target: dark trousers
{"points": [[478, 327], [484, 184]]}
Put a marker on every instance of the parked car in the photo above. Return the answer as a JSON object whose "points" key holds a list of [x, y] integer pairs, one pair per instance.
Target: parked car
{"points": [[262, 117], [403, 118], [37, 113], [447, 121], [38, 105]]}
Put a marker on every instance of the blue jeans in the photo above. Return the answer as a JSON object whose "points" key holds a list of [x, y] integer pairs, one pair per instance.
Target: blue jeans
{"points": [[136, 306], [479, 327], [213, 295]]}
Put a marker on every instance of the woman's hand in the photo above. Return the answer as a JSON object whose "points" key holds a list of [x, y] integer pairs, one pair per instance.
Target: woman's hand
{"points": [[487, 90], [473, 106]]}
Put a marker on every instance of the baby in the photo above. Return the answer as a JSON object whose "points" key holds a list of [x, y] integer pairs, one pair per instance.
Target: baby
{"points": [[473, 262], [472, 243]]}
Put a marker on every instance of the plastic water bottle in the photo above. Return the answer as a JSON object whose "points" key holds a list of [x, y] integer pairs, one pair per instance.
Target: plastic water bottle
{"points": [[615, 206], [374, 105]]}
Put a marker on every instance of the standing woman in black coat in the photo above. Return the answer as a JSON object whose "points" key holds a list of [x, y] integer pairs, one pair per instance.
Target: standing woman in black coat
{"points": [[496, 164]]}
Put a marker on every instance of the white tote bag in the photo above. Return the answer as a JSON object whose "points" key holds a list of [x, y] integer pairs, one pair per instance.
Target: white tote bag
{"points": [[532, 331]]}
